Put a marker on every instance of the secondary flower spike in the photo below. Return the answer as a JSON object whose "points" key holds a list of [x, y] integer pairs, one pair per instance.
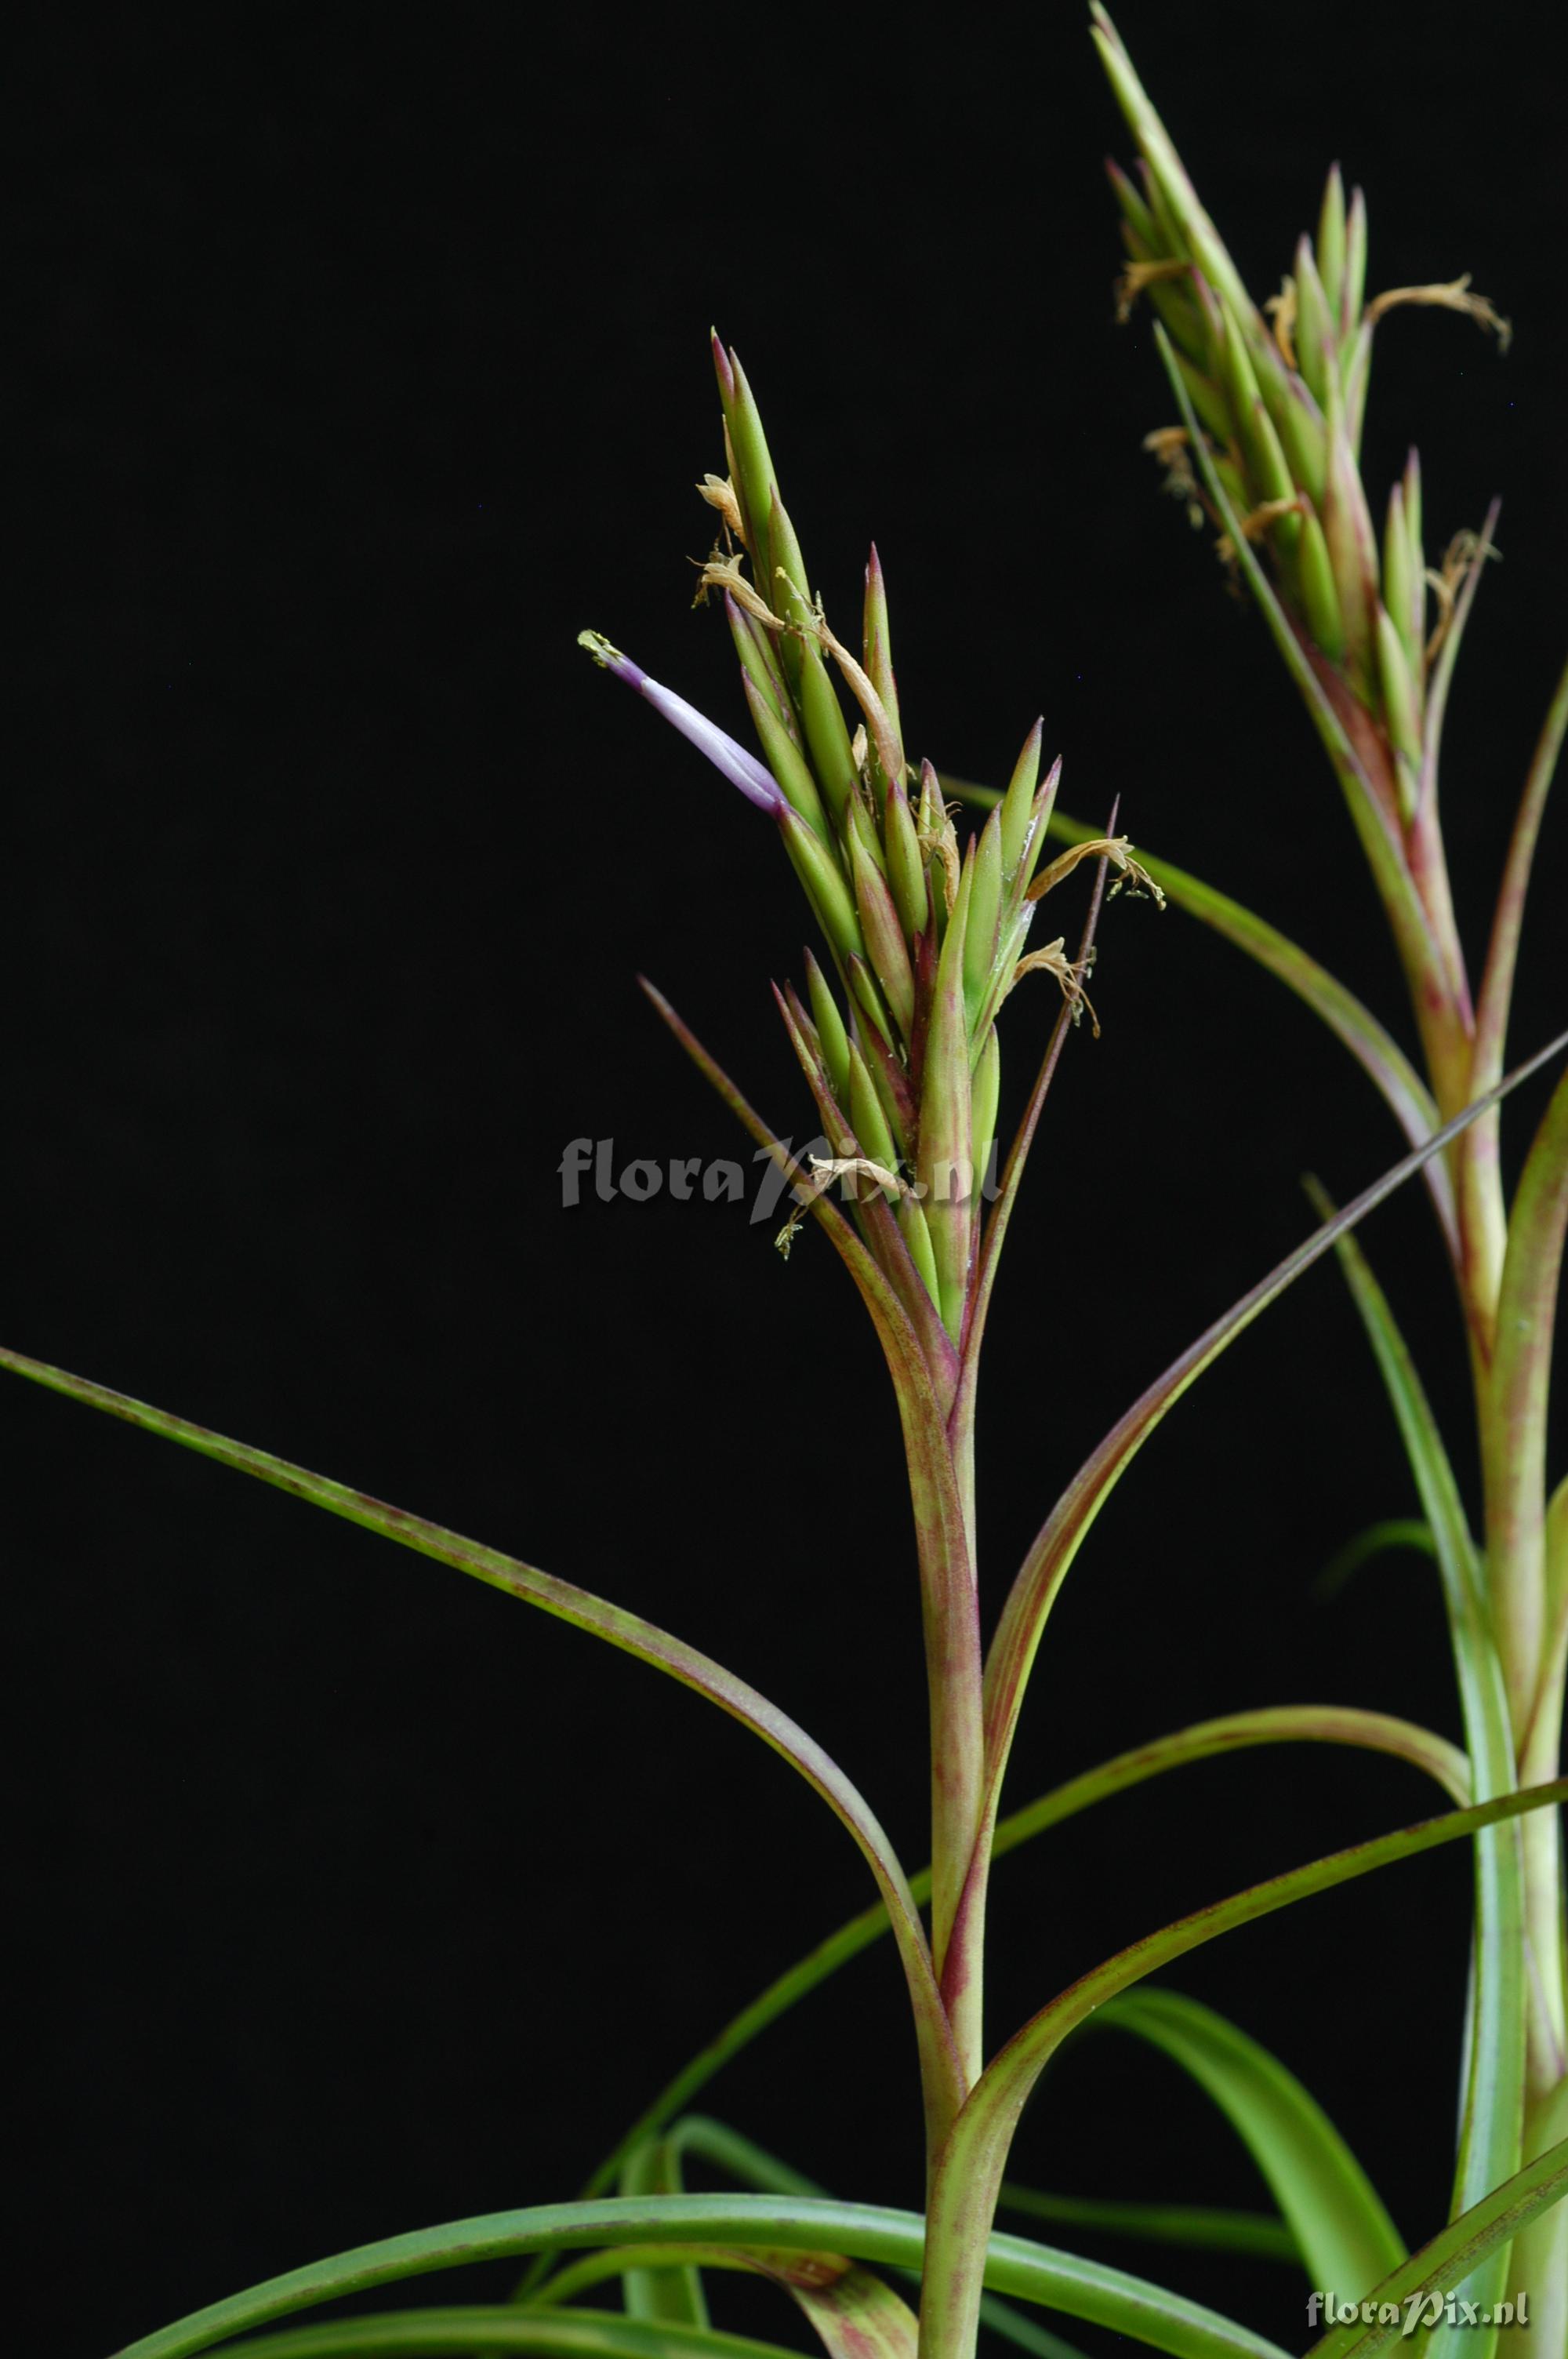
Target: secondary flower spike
{"points": [[742, 769]]}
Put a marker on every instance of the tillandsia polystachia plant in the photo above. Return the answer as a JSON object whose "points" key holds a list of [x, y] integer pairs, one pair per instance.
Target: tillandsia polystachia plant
{"points": [[925, 940]]}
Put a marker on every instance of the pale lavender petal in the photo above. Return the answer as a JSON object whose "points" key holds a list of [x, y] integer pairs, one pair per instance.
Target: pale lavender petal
{"points": [[742, 769]]}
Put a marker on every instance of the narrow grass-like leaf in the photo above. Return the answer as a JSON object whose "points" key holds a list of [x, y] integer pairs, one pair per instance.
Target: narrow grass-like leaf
{"points": [[855, 2314], [1373, 1047], [1236, 1731], [672, 2294], [620, 1628], [1377, 1540], [1496, 995], [1205, 2227], [968, 2178], [948, 1604], [1337, 2221], [1376, 824], [541, 2334], [751, 2165], [1514, 1406], [1480, 1178], [1493, 2114], [994, 1233], [1441, 2264], [1012, 2264], [1045, 1566]]}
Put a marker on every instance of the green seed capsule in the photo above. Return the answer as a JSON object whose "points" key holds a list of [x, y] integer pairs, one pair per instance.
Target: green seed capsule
{"points": [[1396, 570], [787, 589], [1400, 701], [877, 657], [830, 1032], [866, 1115], [823, 881], [1019, 800], [906, 870], [1354, 262], [985, 907], [753, 468], [826, 737], [1352, 551], [1317, 346], [1134, 212], [785, 760], [946, 1146], [760, 664], [985, 1092], [884, 933], [1320, 599], [1306, 444], [917, 1237], [1331, 244]]}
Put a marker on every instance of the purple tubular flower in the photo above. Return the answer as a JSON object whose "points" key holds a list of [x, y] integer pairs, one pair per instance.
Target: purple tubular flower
{"points": [[742, 769]]}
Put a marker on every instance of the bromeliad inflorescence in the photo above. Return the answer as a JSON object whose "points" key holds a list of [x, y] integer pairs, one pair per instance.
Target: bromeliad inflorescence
{"points": [[926, 940]]}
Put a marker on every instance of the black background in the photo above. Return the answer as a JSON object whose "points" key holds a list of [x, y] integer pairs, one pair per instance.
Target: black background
{"points": [[360, 362]]}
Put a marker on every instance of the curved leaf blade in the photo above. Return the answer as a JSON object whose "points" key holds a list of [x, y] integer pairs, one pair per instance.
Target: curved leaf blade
{"points": [[1275, 1725], [1495, 997], [1205, 2227], [1492, 2117], [532, 2334], [672, 2294], [1337, 2218], [924, 1376], [969, 2177], [1451, 2255], [1353, 1024], [1012, 2264], [939, 2071], [1044, 1567], [752, 2166]]}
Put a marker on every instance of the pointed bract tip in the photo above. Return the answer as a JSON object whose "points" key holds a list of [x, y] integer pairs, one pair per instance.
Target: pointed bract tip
{"points": [[722, 367]]}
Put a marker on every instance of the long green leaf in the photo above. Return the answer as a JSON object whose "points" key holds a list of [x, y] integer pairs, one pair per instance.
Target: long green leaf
{"points": [[1451, 2256], [1343, 2232], [1496, 995], [1373, 1047], [1045, 1566], [1276, 1724], [1493, 2111], [541, 2334], [613, 1624], [968, 2178], [1205, 2227], [1012, 2264], [1514, 1405], [673, 2295], [1377, 1540], [924, 1377], [752, 2166], [1480, 1175]]}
